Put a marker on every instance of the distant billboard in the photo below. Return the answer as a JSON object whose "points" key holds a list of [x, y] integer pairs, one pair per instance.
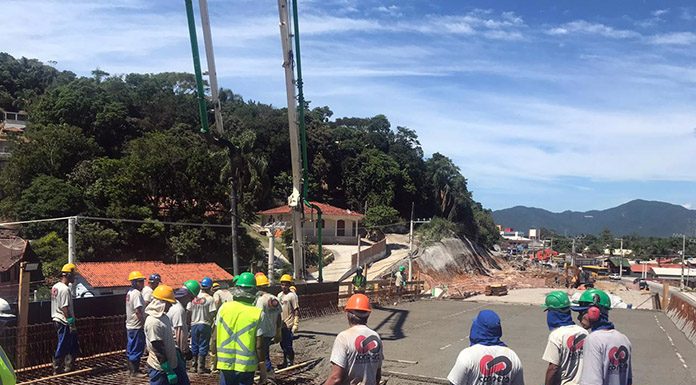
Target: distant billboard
{"points": [[534, 233]]}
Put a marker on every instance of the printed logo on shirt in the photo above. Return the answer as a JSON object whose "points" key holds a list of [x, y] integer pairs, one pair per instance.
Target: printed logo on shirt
{"points": [[618, 358], [493, 368], [54, 292], [198, 301], [273, 303], [576, 342], [368, 348], [128, 297]]}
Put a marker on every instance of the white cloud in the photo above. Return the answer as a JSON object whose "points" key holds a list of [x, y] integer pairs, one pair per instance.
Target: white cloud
{"points": [[674, 38], [391, 10], [659, 12], [687, 205], [585, 27]]}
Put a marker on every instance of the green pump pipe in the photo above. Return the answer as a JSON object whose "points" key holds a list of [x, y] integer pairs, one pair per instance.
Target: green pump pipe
{"points": [[303, 137], [202, 105]]}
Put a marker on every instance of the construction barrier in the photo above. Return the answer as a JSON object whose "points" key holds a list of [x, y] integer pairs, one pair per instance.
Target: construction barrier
{"points": [[383, 291], [682, 311]]}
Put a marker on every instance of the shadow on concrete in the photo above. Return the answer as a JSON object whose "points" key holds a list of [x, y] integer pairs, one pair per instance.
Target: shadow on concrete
{"points": [[391, 327]]}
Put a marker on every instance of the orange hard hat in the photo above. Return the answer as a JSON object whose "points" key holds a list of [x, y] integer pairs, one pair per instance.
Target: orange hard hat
{"points": [[358, 302]]}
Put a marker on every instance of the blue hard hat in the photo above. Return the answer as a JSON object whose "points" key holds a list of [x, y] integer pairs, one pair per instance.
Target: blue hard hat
{"points": [[154, 277], [206, 283]]}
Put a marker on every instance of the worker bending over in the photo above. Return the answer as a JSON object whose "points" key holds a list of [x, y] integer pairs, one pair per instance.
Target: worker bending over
{"points": [[135, 318], [269, 327], [607, 352], [564, 347], [238, 343], [177, 315], [357, 355], [202, 310], [63, 317], [167, 367], [488, 360], [290, 313]]}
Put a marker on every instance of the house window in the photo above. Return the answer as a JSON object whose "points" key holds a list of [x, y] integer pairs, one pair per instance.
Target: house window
{"points": [[340, 228]]}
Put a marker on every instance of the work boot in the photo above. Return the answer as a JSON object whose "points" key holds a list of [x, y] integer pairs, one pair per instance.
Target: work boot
{"points": [[69, 361], [57, 366], [194, 364], [201, 365], [213, 363]]}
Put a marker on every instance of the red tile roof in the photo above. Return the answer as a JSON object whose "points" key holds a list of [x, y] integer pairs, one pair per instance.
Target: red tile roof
{"points": [[326, 209], [115, 274]]}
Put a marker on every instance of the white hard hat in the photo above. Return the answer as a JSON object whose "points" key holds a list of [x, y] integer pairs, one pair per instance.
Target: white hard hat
{"points": [[5, 311]]}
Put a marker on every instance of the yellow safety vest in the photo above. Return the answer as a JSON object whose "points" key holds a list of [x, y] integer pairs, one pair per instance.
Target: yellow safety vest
{"points": [[7, 374], [236, 337]]}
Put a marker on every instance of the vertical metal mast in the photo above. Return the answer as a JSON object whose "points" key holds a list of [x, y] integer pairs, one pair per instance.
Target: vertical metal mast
{"points": [[295, 200], [212, 72]]}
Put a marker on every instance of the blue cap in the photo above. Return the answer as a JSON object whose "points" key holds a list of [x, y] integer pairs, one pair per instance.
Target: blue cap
{"points": [[154, 277], [206, 283]]}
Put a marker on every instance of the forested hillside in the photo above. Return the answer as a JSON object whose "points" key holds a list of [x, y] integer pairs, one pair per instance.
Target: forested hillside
{"points": [[128, 146]]}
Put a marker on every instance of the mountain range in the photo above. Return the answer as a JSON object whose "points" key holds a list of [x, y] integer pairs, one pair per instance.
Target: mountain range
{"points": [[645, 218]]}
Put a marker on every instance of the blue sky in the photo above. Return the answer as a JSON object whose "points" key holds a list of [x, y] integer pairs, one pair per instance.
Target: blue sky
{"points": [[555, 104]]}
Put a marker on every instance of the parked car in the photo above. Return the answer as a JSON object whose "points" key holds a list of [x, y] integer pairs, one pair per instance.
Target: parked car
{"points": [[614, 276]]}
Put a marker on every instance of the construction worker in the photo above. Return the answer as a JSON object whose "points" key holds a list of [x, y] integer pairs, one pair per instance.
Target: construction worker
{"points": [[269, 327], [7, 373], [152, 282], [400, 283], [238, 346], [177, 315], [202, 310], [220, 295], [357, 355], [63, 316], [166, 364], [488, 360], [564, 347], [359, 281], [607, 352], [290, 313], [135, 321], [293, 289]]}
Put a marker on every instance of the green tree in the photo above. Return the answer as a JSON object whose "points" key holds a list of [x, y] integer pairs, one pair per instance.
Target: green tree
{"points": [[52, 251], [378, 216]]}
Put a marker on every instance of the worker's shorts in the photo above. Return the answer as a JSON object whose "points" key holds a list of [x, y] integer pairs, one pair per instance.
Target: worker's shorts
{"points": [[67, 341], [136, 344], [158, 377], [230, 377], [200, 339]]}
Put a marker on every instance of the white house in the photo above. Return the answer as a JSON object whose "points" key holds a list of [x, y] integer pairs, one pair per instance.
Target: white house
{"points": [[340, 225]]}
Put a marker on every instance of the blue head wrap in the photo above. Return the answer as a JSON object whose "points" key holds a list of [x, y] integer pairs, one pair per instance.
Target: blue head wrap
{"points": [[557, 318], [486, 329]]}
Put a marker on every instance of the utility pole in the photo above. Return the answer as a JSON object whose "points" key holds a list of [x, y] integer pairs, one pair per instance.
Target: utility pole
{"points": [[71, 239], [621, 261], [681, 281], [410, 244], [295, 200], [23, 314], [271, 253]]}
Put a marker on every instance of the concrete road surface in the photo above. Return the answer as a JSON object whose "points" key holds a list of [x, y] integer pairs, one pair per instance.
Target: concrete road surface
{"points": [[434, 332]]}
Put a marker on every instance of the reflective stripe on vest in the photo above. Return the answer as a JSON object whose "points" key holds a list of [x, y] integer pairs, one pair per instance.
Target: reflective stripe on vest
{"points": [[236, 336]]}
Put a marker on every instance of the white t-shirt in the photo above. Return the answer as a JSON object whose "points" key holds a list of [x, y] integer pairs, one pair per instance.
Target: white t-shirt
{"points": [[359, 351], [147, 294], [177, 315], [399, 278], [221, 296], [487, 365], [60, 298], [202, 309], [160, 329], [270, 309], [564, 349], [607, 359], [288, 303], [134, 301]]}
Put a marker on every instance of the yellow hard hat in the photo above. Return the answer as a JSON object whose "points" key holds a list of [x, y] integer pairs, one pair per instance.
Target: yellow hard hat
{"points": [[216, 285], [135, 275], [68, 268], [293, 289], [164, 293], [262, 280], [286, 278]]}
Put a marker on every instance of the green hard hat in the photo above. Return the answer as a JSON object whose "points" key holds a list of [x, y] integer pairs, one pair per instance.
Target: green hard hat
{"points": [[557, 300], [402, 268], [193, 287], [595, 297], [246, 279]]}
